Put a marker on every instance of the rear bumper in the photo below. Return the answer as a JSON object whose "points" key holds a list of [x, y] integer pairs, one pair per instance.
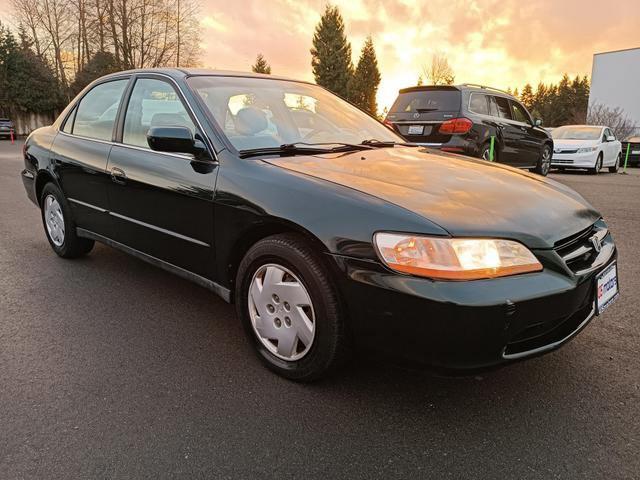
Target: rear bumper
{"points": [[457, 144], [466, 325], [29, 182]]}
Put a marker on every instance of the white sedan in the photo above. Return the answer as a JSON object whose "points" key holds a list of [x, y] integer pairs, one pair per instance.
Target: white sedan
{"points": [[585, 146]]}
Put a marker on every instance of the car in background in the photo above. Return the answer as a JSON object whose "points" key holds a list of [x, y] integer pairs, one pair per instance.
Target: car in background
{"points": [[463, 118], [586, 146], [634, 151], [6, 127]]}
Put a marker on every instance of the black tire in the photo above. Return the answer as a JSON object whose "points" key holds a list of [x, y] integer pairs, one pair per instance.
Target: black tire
{"points": [[484, 152], [616, 166], [330, 346], [598, 167], [72, 245], [544, 161]]}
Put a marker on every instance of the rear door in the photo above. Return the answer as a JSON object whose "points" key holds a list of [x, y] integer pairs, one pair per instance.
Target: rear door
{"points": [[162, 203], [81, 150], [417, 114]]}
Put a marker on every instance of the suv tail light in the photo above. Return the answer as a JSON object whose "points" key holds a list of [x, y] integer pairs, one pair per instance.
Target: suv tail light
{"points": [[456, 125], [388, 123]]}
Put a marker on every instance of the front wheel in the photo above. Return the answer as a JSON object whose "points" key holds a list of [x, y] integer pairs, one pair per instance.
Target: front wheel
{"points": [[616, 166], [290, 308], [544, 161], [598, 166]]}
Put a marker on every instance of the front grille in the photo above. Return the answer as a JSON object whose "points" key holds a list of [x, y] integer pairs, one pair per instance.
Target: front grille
{"points": [[562, 160], [563, 151], [547, 333], [579, 251]]}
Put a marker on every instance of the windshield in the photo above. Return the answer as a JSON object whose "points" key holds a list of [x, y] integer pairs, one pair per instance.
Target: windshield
{"points": [[263, 113], [576, 133]]}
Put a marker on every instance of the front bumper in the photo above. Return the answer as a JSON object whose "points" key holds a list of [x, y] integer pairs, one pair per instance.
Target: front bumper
{"points": [[468, 325], [575, 160]]}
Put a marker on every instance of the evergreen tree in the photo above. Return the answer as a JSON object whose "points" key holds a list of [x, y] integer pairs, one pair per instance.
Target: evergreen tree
{"points": [[366, 78], [261, 65], [27, 83], [102, 63], [526, 96], [331, 53]]}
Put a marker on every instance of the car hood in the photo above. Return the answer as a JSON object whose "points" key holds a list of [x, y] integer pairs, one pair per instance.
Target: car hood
{"points": [[466, 197], [565, 143]]}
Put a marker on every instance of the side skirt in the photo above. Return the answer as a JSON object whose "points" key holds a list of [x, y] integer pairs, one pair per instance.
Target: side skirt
{"points": [[223, 292]]}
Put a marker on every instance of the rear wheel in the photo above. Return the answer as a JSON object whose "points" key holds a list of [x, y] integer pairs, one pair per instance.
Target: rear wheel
{"points": [[59, 225], [544, 161], [290, 309], [597, 167], [616, 165]]}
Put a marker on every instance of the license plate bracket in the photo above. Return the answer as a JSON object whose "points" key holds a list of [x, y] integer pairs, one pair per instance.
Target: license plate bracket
{"points": [[606, 287]]}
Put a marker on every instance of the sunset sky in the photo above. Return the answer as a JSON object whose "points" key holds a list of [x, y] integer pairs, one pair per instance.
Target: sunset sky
{"points": [[500, 43]]}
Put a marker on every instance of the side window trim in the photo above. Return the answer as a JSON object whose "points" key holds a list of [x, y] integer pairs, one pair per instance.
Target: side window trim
{"points": [[176, 88]]}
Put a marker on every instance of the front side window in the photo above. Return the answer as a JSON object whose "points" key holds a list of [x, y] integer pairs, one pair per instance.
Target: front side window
{"points": [[262, 113], [478, 104], [519, 113], [153, 103], [95, 116], [504, 110]]}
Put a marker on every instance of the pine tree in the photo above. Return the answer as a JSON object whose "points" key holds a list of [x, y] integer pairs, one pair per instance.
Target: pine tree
{"points": [[102, 63], [526, 96], [366, 78], [261, 65], [331, 53]]}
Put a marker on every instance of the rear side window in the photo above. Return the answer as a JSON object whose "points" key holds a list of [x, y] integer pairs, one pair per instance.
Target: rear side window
{"points": [[478, 103], [504, 110], [427, 101], [96, 113]]}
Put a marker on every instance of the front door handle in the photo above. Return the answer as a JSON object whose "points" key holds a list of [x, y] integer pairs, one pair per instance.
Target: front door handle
{"points": [[118, 175]]}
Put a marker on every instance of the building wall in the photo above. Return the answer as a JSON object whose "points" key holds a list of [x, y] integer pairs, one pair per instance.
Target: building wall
{"points": [[615, 82]]}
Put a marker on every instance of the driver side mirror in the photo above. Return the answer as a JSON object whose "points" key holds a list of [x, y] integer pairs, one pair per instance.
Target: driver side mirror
{"points": [[611, 138], [537, 122], [175, 140]]}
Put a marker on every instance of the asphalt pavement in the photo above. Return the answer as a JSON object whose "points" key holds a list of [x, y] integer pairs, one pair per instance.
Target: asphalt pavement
{"points": [[112, 368]]}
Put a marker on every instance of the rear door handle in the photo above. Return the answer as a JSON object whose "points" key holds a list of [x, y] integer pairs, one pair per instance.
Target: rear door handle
{"points": [[118, 175]]}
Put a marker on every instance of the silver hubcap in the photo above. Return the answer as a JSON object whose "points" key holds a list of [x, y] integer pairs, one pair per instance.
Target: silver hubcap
{"points": [[546, 160], [486, 154], [281, 312], [54, 220]]}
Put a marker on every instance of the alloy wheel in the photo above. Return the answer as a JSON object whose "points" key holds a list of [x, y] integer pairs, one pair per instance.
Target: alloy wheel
{"points": [[546, 160], [281, 312], [54, 220]]}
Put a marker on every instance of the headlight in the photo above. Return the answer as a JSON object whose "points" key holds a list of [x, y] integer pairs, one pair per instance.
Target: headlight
{"points": [[454, 258], [587, 149]]}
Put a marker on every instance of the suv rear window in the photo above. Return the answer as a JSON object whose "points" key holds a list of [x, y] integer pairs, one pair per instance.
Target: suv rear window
{"points": [[427, 101]]}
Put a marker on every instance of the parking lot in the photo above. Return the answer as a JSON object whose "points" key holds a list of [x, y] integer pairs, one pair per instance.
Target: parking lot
{"points": [[112, 368]]}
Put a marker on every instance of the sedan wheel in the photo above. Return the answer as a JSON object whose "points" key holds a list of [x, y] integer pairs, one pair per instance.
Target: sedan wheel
{"points": [[290, 308], [54, 220], [616, 165], [281, 312], [598, 166]]}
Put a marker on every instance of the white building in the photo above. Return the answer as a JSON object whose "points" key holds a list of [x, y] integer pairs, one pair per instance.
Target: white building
{"points": [[615, 82]]}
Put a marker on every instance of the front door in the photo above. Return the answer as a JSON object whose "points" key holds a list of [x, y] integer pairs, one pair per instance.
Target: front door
{"points": [[162, 203]]}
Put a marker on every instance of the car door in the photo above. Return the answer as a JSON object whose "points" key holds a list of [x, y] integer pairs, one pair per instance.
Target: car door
{"points": [[80, 153], [530, 145], [162, 203], [611, 148], [510, 132]]}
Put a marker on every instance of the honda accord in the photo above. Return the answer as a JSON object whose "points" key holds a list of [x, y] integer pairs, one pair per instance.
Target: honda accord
{"points": [[326, 230]]}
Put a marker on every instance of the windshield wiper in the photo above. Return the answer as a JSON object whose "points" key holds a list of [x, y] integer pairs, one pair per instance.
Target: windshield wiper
{"points": [[301, 148], [372, 142]]}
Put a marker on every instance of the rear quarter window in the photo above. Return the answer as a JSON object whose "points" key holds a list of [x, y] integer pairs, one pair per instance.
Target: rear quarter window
{"points": [[427, 101], [479, 103]]}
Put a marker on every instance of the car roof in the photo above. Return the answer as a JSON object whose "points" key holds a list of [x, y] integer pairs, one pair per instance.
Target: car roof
{"points": [[180, 73], [461, 87]]}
